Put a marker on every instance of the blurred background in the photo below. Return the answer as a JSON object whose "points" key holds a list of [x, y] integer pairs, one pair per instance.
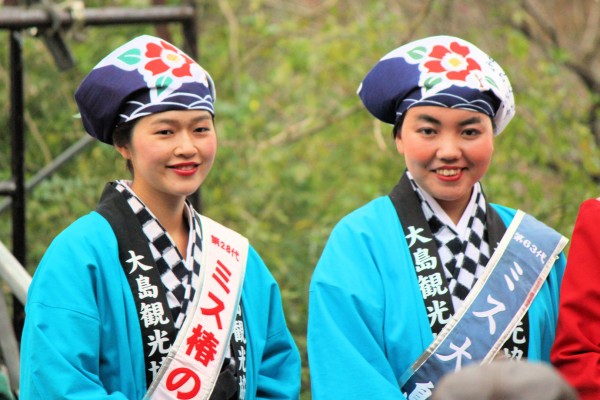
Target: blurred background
{"points": [[297, 151]]}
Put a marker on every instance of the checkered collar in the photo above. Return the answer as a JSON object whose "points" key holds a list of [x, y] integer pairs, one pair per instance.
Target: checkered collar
{"points": [[179, 275], [188, 210], [463, 248], [462, 227]]}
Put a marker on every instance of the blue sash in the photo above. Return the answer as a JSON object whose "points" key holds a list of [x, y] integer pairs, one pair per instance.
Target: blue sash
{"points": [[496, 304]]}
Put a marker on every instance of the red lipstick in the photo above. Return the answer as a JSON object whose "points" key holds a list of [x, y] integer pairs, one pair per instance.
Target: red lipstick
{"points": [[185, 169]]}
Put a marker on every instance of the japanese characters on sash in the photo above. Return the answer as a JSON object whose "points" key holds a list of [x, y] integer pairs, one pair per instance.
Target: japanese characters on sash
{"points": [[194, 362], [190, 364], [428, 265], [500, 298]]}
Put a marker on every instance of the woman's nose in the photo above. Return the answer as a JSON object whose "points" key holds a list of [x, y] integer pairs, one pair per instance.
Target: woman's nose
{"points": [[449, 148], [185, 145]]}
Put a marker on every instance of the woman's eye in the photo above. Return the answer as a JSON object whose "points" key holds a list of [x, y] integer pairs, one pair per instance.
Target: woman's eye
{"points": [[470, 132], [427, 131], [164, 132]]}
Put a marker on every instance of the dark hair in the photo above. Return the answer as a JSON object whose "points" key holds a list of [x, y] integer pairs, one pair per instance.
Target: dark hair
{"points": [[122, 136], [398, 125]]}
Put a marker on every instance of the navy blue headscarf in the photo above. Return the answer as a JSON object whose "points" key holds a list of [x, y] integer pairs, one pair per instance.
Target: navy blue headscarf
{"points": [[144, 76], [441, 71]]}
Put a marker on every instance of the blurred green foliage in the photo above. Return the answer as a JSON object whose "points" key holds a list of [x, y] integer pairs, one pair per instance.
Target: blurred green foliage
{"points": [[297, 150]]}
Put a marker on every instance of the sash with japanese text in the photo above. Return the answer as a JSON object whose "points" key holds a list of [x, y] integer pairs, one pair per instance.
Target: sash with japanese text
{"points": [[192, 366], [497, 302], [429, 269], [156, 321], [428, 266]]}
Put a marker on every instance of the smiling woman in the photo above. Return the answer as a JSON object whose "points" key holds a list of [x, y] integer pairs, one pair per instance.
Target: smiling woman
{"points": [[447, 152], [172, 152], [144, 297], [424, 281]]}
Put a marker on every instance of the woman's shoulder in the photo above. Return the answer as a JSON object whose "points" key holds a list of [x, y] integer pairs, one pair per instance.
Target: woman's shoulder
{"points": [[91, 223], [369, 213], [504, 209], [92, 228]]}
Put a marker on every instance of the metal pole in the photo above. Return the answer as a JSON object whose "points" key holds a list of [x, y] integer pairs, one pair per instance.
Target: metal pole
{"points": [[9, 347], [18, 160], [49, 169], [13, 273], [22, 18], [18, 280]]}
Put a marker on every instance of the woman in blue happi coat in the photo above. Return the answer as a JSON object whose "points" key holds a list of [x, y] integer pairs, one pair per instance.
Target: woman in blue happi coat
{"points": [[397, 270], [94, 332]]}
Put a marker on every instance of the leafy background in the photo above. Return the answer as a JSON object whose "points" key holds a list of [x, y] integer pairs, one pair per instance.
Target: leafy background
{"points": [[297, 150]]}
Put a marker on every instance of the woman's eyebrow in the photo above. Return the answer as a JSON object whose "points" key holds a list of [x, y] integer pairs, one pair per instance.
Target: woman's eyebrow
{"points": [[176, 120], [202, 118], [433, 120], [428, 118], [163, 121], [470, 121]]}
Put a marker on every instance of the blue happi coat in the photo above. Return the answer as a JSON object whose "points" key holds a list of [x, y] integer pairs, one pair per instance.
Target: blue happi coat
{"points": [[82, 339], [367, 319]]}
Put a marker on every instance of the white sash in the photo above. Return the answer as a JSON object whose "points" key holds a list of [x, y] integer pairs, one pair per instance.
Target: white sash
{"points": [[193, 364]]}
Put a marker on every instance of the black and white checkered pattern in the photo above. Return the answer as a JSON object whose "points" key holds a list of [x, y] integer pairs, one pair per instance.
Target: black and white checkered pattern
{"points": [[463, 260], [179, 281]]}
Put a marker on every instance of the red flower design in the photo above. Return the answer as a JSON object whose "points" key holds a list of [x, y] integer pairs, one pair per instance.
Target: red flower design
{"points": [[165, 57], [455, 61]]}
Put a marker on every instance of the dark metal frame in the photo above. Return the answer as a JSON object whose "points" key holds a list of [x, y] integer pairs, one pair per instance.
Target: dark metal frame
{"points": [[16, 19]]}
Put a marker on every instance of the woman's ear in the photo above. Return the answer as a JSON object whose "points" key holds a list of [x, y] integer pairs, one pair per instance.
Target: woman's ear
{"points": [[124, 150], [399, 143]]}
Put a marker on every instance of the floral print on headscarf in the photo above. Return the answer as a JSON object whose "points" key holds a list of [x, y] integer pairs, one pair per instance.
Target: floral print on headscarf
{"points": [[147, 75], [443, 71]]}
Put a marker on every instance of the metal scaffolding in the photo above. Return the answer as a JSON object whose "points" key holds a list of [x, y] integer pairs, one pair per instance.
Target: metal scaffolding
{"points": [[51, 21]]}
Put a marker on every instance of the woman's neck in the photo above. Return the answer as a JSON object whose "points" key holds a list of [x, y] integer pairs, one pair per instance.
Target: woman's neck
{"points": [[175, 222], [170, 213], [454, 210]]}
